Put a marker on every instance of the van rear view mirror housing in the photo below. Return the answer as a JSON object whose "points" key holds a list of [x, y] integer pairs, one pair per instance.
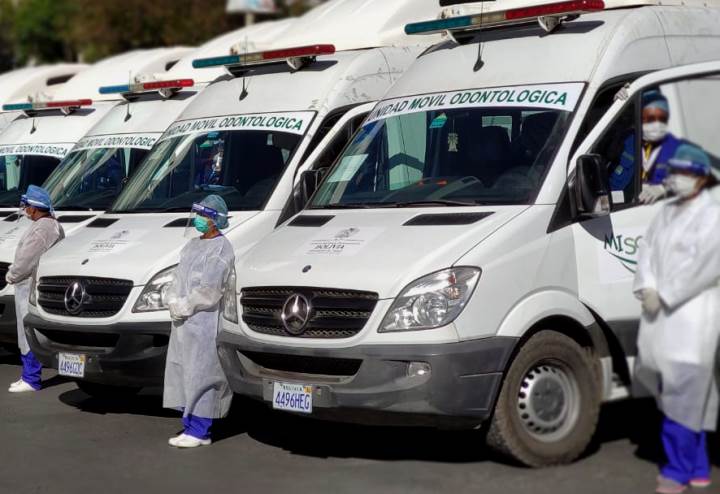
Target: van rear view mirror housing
{"points": [[590, 190]]}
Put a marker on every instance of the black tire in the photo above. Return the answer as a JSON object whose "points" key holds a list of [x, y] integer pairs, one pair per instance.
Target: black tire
{"points": [[107, 392], [551, 365]]}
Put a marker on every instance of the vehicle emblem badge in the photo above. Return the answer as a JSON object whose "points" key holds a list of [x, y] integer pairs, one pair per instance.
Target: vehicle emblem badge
{"points": [[75, 297], [296, 314]]}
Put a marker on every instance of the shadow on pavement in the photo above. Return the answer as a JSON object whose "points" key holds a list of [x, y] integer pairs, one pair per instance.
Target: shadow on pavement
{"points": [[150, 405], [54, 381]]}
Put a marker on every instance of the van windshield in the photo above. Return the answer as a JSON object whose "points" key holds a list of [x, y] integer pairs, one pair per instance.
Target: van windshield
{"points": [[17, 171], [451, 155], [242, 166], [92, 178]]}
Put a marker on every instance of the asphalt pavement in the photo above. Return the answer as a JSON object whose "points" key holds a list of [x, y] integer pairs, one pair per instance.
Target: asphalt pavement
{"points": [[60, 440]]}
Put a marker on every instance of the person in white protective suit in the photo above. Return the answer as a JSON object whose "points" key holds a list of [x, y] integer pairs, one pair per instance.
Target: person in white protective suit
{"points": [[194, 380], [677, 282], [44, 232]]}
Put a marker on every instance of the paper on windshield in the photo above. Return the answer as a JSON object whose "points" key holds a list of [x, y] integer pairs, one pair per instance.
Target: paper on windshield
{"points": [[57, 150], [290, 122], [138, 141], [563, 97]]}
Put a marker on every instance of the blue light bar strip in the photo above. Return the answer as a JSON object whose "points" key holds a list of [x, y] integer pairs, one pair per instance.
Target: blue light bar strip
{"points": [[121, 88], [202, 63], [17, 107], [439, 25]]}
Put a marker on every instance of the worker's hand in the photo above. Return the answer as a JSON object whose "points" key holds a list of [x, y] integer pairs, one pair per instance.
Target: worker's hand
{"points": [[651, 303], [652, 193], [7, 278]]}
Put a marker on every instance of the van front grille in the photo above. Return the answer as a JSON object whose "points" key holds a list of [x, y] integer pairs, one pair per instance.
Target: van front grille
{"points": [[92, 297], [331, 313]]}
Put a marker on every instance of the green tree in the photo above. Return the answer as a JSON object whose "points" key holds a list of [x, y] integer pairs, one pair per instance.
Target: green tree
{"points": [[7, 51], [39, 30]]}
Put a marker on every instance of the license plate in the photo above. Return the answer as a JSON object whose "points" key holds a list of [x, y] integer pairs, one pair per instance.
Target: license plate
{"points": [[71, 365], [292, 397]]}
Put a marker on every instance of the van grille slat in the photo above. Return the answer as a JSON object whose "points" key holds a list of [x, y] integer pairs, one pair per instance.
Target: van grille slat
{"points": [[335, 313]]}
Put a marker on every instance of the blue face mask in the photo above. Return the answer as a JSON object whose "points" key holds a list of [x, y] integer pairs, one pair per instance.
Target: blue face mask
{"points": [[201, 224]]}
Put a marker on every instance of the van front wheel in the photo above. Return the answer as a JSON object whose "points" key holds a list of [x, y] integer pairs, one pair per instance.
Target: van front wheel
{"points": [[549, 403]]}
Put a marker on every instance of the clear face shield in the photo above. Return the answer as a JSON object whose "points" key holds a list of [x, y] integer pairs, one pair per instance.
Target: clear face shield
{"points": [[21, 215], [201, 220]]}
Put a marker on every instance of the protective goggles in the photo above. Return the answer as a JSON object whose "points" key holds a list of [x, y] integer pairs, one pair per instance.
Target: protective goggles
{"points": [[689, 166], [207, 212]]}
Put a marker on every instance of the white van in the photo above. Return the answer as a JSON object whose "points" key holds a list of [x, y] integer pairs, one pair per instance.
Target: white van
{"points": [[33, 82], [244, 137], [452, 268], [33, 145], [91, 176]]}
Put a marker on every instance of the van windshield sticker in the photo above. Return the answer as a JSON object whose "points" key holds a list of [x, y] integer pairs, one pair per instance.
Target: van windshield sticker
{"points": [[54, 150], [562, 97], [290, 122], [140, 141]]}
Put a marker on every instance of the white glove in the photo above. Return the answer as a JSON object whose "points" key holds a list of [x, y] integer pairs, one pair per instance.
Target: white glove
{"points": [[651, 303], [652, 193], [7, 278]]}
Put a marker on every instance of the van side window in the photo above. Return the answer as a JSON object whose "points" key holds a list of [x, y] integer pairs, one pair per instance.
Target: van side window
{"points": [[617, 147], [328, 156]]}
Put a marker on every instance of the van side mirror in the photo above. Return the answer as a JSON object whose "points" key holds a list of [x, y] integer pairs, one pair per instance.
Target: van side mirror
{"points": [[591, 187], [303, 191]]}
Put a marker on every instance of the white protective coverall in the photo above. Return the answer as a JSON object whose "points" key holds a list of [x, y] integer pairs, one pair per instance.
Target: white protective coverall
{"points": [[42, 234], [680, 259], [194, 379]]}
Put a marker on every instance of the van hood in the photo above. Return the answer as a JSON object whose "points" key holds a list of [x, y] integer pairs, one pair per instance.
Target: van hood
{"points": [[131, 247], [377, 250], [12, 231]]}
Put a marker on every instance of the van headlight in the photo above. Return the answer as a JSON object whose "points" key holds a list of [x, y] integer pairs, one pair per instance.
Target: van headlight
{"points": [[432, 301], [153, 296], [229, 300]]}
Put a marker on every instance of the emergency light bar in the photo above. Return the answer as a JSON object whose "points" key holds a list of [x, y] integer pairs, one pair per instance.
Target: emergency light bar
{"points": [[66, 107], [295, 57], [166, 88], [542, 13]]}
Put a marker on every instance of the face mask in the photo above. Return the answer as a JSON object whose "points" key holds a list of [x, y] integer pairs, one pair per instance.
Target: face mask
{"points": [[201, 224], [655, 131], [682, 185]]}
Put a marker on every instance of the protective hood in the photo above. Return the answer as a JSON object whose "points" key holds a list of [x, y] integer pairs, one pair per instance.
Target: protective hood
{"points": [[131, 247], [378, 250]]}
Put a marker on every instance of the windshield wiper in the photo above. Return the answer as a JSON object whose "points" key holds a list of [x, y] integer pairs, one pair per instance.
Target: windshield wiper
{"points": [[349, 205], [430, 202]]}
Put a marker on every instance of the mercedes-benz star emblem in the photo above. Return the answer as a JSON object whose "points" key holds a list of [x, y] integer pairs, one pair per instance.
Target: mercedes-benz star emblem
{"points": [[75, 296], [296, 314]]}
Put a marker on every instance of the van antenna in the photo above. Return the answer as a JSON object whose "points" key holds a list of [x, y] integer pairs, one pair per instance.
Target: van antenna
{"points": [[481, 46], [244, 92], [34, 127], [128, 116]]}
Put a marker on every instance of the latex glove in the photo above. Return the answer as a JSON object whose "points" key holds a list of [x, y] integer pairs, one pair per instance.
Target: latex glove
{"points": [[651, 303], [652, 193], [7, 278]]}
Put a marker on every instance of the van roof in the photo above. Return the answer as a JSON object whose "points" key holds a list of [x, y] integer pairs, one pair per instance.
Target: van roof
{"points": [[356, 24], [333, 81], [257, 37], [594, 48], [18, 85], [469, 8], [117, 70]]}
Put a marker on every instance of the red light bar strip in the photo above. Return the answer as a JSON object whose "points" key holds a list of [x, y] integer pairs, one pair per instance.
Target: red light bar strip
{"points": [[555, 9], [63, 104], [303, 51], [174, 84]]}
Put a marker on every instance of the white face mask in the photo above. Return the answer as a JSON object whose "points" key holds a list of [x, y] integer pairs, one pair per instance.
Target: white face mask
{"points": [[654, 131], [681, 185]]}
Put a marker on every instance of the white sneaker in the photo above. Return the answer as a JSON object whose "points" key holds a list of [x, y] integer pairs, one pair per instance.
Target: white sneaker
{"points": [[185, 441], [16, 383], [23, 387]]}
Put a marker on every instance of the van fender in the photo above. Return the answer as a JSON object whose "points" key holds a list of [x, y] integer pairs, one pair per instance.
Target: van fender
{"points": [[543, 304]]}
